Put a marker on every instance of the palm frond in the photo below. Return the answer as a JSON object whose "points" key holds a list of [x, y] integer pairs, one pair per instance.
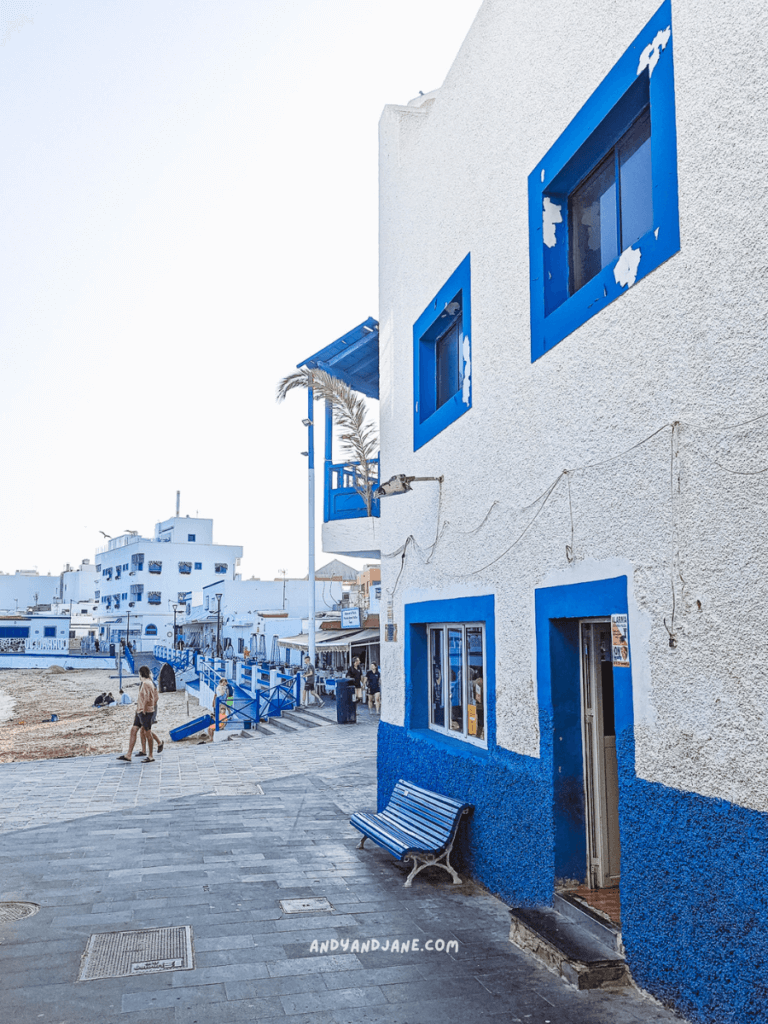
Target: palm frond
{"points": [[360, 439]]}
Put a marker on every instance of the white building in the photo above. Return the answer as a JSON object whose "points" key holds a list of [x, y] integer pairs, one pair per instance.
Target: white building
{"points": [[24, 589], [145, 577], [572, 339]]}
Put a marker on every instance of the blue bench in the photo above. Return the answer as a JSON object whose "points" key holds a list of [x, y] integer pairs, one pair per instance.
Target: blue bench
{"points": [[417, 826]]}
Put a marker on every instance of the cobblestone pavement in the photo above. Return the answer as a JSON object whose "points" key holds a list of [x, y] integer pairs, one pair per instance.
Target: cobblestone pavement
{"points": [[36, 792], [221, 863]]}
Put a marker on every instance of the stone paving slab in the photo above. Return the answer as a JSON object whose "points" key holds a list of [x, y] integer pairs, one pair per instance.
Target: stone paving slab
{"points": [[221, 862]]}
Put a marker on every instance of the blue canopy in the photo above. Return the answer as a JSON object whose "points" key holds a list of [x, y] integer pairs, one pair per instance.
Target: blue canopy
{"points": [[353, 358]]}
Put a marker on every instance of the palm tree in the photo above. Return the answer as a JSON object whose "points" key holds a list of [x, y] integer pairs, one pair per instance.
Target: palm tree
{"points": [[360, 439]]}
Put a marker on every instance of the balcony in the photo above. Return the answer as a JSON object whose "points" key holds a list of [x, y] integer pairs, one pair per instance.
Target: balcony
{"points": [[342, 495]]}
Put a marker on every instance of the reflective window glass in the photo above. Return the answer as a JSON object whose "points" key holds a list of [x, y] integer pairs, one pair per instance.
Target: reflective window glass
{"points": [[594, 238], [476, 690], [635, 182], [436, 659], [447, 353], [456, 674]]}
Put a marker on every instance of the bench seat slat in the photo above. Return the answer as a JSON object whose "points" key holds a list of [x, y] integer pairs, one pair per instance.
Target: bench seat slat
{"points": [[409, 823]]}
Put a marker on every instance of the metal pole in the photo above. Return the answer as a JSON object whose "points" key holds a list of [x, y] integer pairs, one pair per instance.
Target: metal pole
{"points": [[218, 626], [311, 503]]}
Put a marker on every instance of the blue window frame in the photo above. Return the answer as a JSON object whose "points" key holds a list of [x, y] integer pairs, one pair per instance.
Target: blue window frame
{"points": [[185, 567], [602, 204], [155, 567], [153, 597], [221, 568], [49, 631], [450, 654], [198, 565], [191, 537], [150, 629], [442, 386]]}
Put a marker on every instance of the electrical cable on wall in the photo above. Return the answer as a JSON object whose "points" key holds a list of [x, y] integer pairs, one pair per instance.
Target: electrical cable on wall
{"points": [[544, 497]]}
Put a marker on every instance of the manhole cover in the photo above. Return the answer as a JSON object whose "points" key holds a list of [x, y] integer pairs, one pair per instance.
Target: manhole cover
{"points": [[16, 911], [122, 954], [307, 906]]}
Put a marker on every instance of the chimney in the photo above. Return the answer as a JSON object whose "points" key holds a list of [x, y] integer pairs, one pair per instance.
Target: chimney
{"points": [[178, 502]]}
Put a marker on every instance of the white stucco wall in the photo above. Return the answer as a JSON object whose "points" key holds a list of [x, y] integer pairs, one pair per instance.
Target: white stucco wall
{"points": [[682, 513]]}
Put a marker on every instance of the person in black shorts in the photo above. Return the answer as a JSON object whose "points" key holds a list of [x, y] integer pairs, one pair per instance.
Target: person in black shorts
{"points": [[143, 721]]}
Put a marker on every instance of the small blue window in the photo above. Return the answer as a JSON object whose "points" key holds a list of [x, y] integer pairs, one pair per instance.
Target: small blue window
{"points": [[198, 565], [441, 358], [191, 537], [602, 203], [49, 631], [150, 629], [221, 568]]}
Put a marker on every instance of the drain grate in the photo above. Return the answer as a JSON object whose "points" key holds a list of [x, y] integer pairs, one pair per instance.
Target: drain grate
{"points": [[309, 905], [123, 954], [17, 911]]}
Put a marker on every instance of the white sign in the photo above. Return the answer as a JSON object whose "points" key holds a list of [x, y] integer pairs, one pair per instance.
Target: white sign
{"points": [[350, 618]]}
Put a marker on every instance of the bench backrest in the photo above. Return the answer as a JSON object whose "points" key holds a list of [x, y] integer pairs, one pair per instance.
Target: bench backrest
{"points": [[423, 814]]}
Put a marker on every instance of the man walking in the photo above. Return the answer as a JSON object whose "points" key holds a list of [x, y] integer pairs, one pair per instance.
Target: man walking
{"points": [[146, 713], [309, 684]]}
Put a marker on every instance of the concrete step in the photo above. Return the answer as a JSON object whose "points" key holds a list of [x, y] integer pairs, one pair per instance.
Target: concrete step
{"points": [[596, 924], [569, 947], [278, 723], [313, 715], [305, 721]]}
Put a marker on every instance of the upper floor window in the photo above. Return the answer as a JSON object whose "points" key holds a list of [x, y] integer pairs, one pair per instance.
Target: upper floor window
{"points": [[185, 567], [191, 537], [457, 679], [603, 206], [442, 358], [49, 631], [198, 565], [155, 567], [153, 597], [221, 568]]}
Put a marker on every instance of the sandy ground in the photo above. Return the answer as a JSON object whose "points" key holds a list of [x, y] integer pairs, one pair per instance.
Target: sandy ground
{"points": [[28, 698]]}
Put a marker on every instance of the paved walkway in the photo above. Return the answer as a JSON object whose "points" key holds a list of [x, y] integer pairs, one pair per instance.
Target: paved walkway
{"points": [[221, 863], [38, 792]]}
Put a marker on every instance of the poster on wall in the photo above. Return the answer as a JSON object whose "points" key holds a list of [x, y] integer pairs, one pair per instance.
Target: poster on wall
{"points": [[620, 641], [390, 632]]}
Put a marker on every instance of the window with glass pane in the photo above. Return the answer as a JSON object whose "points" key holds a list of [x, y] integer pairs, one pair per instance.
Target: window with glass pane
{"points": [[457, 680], [605, 219], [437, 702], [476, 682], [447, 364]]}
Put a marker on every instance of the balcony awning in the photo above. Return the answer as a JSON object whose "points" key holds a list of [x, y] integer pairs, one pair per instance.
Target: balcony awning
{"points": [[327, 640], [353, 358], [365, 638]]}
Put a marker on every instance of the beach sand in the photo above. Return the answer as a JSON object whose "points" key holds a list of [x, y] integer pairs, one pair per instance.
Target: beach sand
{"points": [[28, 698]]}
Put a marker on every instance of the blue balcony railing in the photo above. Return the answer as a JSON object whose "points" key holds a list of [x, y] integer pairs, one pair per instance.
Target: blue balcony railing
{"points": [[342, 500]]}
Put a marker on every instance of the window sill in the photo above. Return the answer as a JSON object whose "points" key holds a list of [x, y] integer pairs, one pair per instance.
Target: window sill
{"points": [[451, 744]]}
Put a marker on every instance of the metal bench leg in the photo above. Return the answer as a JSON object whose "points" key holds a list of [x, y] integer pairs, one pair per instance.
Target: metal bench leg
{"points": [[361, 844], [429, 861]]}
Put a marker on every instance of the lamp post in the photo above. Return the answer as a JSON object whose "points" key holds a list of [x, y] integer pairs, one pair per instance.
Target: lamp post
{"points": [[176, 608], [218, 626], [309, 424]]}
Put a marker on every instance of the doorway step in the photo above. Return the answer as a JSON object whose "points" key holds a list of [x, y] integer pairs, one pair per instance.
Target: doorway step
{"points": [[583, 948]]}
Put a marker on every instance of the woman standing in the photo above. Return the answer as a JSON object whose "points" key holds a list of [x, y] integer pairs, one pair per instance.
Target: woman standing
{"points": [[355, 673], [373, 679]]}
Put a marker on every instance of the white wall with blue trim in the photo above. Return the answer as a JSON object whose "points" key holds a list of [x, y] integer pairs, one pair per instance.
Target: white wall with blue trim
{"points": [[621, 468]]}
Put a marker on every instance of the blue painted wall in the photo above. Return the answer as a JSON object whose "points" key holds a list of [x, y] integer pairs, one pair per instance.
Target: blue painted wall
{"points": [[694, 905]]}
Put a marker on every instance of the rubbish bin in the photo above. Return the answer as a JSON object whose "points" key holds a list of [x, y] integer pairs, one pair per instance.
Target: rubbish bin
{"points": [[111, 650], [346, 709]]}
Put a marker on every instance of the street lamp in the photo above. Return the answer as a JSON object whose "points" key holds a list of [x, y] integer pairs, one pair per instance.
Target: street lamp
{"points": [[176, 608], [218, 626]]}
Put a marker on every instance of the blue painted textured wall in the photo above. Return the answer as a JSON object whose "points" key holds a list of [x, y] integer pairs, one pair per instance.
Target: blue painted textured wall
{"points": [[693, 899], [694, 905], [507, 842]]}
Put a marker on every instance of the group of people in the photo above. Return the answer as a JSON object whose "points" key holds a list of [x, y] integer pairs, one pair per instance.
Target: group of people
{"points": [[355, 675]]}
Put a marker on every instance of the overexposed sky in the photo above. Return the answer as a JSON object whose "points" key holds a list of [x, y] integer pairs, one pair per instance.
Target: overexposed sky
{"points": [[189, 209]]}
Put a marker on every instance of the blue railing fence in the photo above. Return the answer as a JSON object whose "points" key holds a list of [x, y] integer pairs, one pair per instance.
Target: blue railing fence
{"points": [[341, 498]]}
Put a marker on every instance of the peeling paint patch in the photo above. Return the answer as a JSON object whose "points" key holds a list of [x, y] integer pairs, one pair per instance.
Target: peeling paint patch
{"points": [[467, 369], [542, 176], [625, 271], [551, 216], [656, 234], [649, 58]]}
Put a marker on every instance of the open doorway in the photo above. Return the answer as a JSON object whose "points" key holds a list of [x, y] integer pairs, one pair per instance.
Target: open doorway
{"points": [[601, 785]]}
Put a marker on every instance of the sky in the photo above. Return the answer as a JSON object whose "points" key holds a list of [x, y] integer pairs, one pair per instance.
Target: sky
{"points": [[189, 209]]}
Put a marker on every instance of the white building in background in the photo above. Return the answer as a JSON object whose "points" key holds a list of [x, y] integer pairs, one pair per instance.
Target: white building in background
{"points": [[142, 578], [25, 589]]}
